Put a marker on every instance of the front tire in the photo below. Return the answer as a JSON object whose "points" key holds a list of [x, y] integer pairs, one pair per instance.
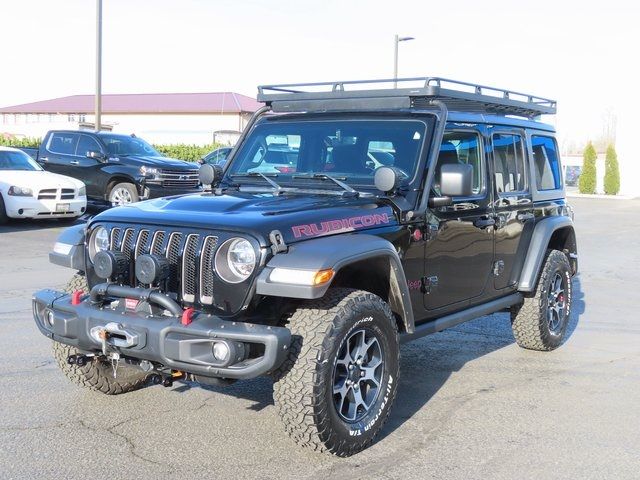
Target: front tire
{"points": [[540, 322], [97, 374], [123, 194], [335, 390], [4, 218]]}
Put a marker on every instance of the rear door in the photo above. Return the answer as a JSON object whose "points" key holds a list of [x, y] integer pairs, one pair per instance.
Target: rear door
{"points": [[513, 203], [89, 169], [459, 249], [60, 152]]}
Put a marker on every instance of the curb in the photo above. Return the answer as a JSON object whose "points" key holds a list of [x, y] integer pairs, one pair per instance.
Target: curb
{"points": [[600, 196]]}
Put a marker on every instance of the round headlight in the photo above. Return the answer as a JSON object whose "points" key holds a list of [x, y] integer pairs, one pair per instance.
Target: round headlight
{"points": [[235, 260], [98, 242]]}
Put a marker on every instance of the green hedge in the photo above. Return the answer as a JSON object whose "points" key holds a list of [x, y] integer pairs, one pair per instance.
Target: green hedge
{"points": [[587, 179], [182, 151], [611, 172], [191, 153], [19, 142]]}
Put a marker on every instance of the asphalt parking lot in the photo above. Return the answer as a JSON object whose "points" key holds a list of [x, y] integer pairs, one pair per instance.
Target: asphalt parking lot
{"points": [[471, 404]]}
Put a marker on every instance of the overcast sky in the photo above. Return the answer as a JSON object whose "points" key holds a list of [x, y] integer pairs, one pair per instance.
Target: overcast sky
{"points": [[579, 52]]}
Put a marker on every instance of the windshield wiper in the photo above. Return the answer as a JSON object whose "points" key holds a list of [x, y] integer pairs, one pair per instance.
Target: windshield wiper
{"points": [[277, 187], [324, 176]]}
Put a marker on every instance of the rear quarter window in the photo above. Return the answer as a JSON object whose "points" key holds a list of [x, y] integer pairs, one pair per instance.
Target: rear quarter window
{"points": [[546, 163]]}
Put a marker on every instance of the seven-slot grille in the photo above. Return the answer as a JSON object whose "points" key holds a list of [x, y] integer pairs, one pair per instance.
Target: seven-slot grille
{"points": [[179, 178], [189, 256], [56, 193]]}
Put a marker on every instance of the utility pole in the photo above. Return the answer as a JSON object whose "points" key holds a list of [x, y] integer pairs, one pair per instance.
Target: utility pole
{"points": [[98, 99], [397, 40]]}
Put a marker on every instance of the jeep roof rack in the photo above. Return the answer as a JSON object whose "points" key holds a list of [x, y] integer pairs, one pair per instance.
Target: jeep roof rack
{"points": [[403, 93]]}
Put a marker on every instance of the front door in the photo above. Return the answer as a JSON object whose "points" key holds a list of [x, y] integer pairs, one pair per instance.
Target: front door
{"points": [[459, 249], [89, 169]]}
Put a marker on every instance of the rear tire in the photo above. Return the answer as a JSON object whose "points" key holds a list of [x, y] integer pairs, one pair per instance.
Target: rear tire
{"points": [[96, 375], [335, 390], [123, 194], [540, 322]]}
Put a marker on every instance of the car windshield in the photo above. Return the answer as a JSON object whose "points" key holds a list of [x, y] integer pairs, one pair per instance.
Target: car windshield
{"points": [[10, 160], [123, 145], [348, 150]]}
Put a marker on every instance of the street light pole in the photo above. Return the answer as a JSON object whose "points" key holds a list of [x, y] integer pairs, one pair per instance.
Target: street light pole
{"points": [[98, 99], [397, 40]]}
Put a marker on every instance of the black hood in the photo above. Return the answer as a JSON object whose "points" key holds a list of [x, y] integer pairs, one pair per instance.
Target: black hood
{"points": [[157, 162], [297, 217]]}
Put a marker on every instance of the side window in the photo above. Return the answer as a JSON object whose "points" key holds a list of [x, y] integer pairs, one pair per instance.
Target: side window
{"points": [[64, 143], [87, 144], [508, 160], [546, 163], [462, 147]]}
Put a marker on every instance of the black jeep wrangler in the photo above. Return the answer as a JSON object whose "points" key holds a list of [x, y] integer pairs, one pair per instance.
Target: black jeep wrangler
{"points": [[346, 221]]}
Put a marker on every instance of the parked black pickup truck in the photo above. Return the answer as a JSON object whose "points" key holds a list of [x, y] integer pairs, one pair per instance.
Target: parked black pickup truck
{"points": [[117, 169]]}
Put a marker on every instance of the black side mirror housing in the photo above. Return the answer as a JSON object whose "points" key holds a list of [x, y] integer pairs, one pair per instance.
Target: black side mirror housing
{"points": [[210, 174], [456, 180], [99, 156]]}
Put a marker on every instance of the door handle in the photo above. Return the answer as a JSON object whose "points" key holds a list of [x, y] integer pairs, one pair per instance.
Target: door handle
{"points": [[484, 222], [523, 217], [43, 159], [74, 162]]}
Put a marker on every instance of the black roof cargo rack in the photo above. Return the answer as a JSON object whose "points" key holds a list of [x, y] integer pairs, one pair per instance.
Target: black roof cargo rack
{"points": [[403, 93]]}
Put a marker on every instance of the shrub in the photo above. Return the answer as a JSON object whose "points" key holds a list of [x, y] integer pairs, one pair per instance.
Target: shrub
{"points": [[11, 141], [587, 180], [190, 153], [611, 172], [181, 151]]}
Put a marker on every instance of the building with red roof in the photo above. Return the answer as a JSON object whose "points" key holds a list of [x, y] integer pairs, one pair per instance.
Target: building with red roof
{"points": [[198, 118]]}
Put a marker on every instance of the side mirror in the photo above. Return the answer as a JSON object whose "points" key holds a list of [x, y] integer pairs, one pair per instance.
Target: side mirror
{"points": [[456, 180], [99, 156], [210, 174], [387, 179]]}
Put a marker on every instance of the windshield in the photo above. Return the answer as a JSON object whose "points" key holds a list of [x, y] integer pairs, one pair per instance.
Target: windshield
{"points": [[10, 160], [349, 150], [122, 145]]}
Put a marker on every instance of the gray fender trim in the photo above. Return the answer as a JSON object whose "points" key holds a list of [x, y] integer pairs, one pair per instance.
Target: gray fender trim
{"points": [[336, 252], [69, 248], [538, 248]]}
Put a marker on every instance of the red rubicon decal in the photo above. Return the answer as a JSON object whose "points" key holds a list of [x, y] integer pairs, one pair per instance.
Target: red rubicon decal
{"points": [[343, 224]]}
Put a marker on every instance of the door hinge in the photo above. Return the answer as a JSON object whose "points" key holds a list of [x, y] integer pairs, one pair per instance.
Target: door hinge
{"points": [[428, 283], [277, 242], [498, 268]]}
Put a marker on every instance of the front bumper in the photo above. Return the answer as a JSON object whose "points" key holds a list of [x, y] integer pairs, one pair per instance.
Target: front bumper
{"points": [[31, 207], [161, 339]]}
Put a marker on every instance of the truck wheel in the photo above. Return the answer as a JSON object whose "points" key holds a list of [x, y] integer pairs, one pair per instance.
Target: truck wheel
{"points": [[4, 218], [96, 375], [123, 194], [335, 390], [540, 322]]}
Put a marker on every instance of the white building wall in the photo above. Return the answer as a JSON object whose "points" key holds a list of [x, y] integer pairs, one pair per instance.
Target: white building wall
{"points": [[155, 128]]}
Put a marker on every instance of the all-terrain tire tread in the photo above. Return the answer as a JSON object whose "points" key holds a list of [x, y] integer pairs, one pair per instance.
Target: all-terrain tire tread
{"points": [[315, 328], [528, 320]]}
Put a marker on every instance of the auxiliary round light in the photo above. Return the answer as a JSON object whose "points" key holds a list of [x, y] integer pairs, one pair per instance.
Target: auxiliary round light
{"points": [[221, 351]]}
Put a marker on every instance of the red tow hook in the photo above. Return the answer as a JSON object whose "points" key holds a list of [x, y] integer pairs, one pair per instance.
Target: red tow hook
{"points": [[187, 316], [76, 297]]}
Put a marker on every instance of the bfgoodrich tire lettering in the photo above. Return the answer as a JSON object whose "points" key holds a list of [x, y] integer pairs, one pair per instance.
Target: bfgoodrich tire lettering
{"points": [[96, 375], [540, 322], [304, 388]]}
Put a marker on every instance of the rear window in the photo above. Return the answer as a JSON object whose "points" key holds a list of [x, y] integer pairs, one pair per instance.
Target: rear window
{"points": [[546, 162]]}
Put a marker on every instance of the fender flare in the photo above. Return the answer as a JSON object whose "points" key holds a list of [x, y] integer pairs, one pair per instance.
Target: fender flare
{"points": [[68, 250], [337, 252], [540, 239]]}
